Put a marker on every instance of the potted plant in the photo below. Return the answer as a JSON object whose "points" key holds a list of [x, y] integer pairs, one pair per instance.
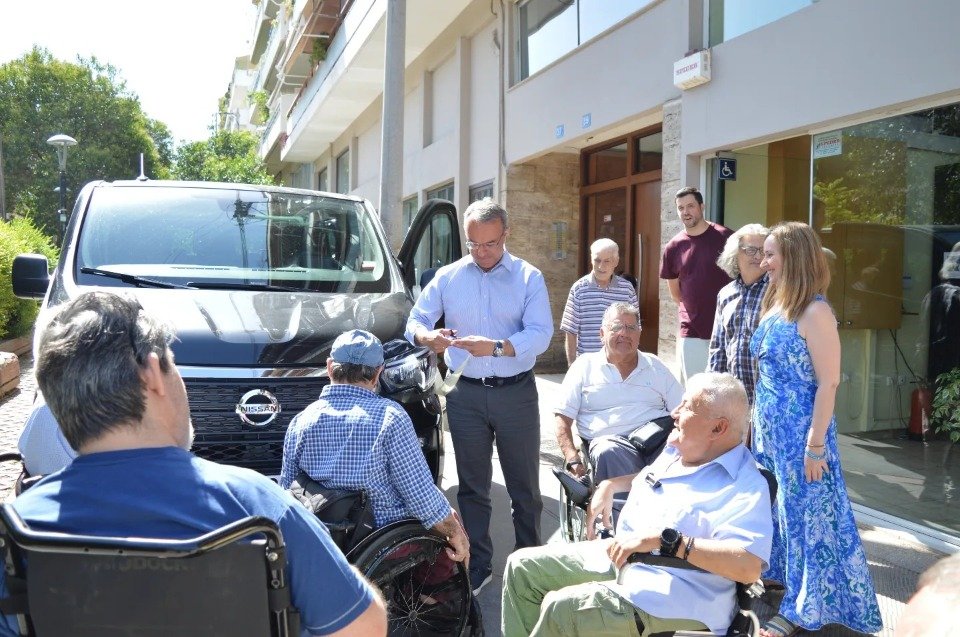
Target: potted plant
{"points": [[946, 404], [261, 113], [319, 52]]}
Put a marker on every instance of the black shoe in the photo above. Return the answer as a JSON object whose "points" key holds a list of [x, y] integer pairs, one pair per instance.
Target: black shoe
{"points": [[480, 577]]}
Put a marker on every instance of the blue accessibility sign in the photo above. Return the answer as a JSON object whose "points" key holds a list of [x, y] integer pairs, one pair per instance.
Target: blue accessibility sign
{"points": [[727, 168]]}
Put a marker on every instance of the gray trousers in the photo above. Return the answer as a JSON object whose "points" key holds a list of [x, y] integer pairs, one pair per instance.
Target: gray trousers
{"points": [[509, 415], [614, 456]]}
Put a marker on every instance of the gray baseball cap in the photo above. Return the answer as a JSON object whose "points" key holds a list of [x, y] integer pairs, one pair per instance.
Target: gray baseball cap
{"points": [[358, 348]]}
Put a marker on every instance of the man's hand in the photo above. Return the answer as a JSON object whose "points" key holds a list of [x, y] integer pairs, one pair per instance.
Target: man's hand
{"points": [[620, 549], [436, 340], [452, 528], [601, 504], [575, 466], [476, 345]]}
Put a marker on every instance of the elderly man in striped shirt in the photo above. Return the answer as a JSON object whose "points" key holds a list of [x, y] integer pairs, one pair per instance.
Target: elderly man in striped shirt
{"points": [[589, 298], [738, 305], [351, 438]]}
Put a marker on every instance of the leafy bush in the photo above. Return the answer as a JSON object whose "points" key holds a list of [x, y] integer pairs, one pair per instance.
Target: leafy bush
{"points": [[946, 404], [17, 237]]}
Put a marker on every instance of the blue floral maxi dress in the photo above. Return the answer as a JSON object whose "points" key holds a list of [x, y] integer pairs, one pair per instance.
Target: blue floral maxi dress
{"points": [[816, 553]]}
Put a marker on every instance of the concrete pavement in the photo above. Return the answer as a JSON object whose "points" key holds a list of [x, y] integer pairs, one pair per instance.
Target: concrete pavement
{"points": [[896, 560]]}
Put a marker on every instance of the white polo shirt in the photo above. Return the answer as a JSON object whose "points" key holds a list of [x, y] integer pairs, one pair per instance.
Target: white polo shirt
{"points": [[602, 403]]}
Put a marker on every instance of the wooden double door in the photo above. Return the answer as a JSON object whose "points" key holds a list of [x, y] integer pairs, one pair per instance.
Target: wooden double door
{"points": [[627, 209]]}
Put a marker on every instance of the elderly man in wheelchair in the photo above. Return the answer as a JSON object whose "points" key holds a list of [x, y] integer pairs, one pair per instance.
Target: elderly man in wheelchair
{"points": [[351, 456], [620, 399], [138, 536], [703, 505]]}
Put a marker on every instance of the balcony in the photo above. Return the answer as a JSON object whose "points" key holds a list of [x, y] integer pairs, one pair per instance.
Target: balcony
{"points": [[350, 78], [266, 13]]}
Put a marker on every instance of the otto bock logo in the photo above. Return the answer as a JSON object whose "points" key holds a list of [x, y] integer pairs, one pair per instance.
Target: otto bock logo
{"points": [[258, 407]]}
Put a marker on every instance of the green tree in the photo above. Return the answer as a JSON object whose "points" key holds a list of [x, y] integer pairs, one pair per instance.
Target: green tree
{"points": [[163, 141], [41, 96], [229, 156]]}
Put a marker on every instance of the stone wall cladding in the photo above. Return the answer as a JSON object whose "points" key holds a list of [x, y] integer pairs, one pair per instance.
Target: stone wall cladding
{"points": [[669, 226], [537, 194]]}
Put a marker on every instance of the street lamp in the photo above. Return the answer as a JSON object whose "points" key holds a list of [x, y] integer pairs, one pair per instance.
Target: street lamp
{"points": [[61, 142]]}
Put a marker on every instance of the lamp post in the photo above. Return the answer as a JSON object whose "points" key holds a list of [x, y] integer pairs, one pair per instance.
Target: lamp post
{"points": [[61, 142]]}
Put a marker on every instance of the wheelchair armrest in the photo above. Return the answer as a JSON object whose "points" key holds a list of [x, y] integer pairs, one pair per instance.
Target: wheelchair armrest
{"points": [[577, 489], [655, 559]]}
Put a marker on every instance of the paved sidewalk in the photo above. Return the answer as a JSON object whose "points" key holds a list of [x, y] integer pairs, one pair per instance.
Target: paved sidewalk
{"points": [[895, 559]]}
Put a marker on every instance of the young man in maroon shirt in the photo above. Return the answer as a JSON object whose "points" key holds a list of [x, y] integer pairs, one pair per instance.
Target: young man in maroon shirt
{"points": [[689, 265]]}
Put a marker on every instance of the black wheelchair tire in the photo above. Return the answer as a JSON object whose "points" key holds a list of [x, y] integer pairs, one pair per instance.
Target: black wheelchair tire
{"points": [[408, 613]]}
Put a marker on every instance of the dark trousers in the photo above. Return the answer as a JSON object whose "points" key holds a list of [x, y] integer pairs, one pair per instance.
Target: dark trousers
{"points": [[510, 415]]}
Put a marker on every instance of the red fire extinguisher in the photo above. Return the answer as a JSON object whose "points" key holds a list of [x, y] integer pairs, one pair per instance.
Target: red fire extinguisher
{"points": [[921, 402]]}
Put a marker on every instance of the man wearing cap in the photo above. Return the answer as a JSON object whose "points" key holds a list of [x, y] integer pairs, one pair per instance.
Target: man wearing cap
{"points": [[353, 439]]}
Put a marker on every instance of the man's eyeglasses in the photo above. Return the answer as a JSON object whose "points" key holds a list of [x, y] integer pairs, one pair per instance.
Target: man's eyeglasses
{"points": [[489, 245], [751, 251], [620, 327]]}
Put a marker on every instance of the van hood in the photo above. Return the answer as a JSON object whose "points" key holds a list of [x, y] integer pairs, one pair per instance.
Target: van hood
{"points": [[269, 329]]}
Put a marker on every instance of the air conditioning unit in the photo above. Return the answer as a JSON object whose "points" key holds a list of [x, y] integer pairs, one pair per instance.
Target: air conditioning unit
{"points": [[693, 70]]}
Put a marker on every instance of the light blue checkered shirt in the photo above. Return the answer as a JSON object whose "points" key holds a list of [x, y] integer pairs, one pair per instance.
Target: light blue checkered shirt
{"points": [[351, 438]]}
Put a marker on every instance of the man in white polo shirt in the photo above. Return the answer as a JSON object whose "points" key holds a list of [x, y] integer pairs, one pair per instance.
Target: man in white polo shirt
{"points": [[609, 394]]}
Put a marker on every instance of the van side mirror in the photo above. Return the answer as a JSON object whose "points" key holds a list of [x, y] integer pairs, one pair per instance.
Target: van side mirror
{"points": [[31, 276]]}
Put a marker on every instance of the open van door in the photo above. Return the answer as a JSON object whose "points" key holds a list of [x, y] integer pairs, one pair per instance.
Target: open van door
{"points": [[432, 241]]}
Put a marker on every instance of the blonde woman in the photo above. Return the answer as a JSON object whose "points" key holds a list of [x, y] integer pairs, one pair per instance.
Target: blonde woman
{"points": [[817, 553]]}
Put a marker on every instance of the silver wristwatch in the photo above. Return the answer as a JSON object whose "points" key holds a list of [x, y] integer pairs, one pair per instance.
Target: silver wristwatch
{"points": [[497, 349]]}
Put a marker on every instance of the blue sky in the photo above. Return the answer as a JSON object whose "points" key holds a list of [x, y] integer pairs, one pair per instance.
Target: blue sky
{"points": [[177, 55]]}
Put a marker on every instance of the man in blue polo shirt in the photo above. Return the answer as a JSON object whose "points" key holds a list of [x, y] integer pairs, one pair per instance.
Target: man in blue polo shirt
{"points": [[353, 439], [107, 372]]}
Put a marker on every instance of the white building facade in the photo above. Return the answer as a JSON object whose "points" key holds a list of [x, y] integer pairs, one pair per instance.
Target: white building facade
{"points": [[841, 113]]}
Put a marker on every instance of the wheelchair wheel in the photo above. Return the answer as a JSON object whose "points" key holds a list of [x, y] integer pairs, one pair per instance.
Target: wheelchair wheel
{"points": [[426, 593], [572, 519]]}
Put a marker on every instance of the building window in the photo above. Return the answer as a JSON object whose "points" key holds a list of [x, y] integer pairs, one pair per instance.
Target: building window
{"points": [[343, 172], [729, 19], [443, 192], [322, 180], [409, 211], [549, 29], [479, 191]]}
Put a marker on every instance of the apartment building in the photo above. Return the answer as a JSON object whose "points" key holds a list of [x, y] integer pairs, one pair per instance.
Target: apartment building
{"points": [[841, 113]]}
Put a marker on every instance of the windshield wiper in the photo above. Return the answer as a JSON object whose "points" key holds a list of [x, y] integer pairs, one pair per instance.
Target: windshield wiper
{"points": [[256, 287], [138, 281]]}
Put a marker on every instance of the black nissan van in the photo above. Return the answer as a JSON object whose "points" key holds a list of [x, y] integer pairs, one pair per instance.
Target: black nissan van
{"points": [[257, 281]]}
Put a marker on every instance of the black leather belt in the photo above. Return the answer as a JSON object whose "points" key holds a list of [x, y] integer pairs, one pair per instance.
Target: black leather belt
{"points": [[496, 381]]}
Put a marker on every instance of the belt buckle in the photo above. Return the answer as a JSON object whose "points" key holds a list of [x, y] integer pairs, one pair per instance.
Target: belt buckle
{"points": [[483, 381]]}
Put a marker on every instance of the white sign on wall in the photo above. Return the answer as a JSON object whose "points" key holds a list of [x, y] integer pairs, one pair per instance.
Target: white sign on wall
{"points": [[827, 145], [692, 70]]}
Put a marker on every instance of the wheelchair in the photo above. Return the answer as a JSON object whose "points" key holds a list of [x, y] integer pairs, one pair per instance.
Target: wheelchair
{"points": [[649, 439], [425, 592], [230, 581]]}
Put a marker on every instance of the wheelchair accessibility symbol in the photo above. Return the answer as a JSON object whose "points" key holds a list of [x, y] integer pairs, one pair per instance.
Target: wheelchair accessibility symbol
{"points": [[727, 168]]}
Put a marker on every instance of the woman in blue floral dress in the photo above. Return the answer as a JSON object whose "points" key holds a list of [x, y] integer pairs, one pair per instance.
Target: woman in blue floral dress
{"points": [[817, 553]]}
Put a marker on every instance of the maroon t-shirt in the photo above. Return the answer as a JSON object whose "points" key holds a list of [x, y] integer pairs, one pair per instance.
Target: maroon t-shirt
{"points": [[693, 260]]}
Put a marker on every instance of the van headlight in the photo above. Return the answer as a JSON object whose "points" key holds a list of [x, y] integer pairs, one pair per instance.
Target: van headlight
{"points": [[410, 371]]}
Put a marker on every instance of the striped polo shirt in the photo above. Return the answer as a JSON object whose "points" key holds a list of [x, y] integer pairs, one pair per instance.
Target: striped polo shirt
{"points": [[586, 304]]}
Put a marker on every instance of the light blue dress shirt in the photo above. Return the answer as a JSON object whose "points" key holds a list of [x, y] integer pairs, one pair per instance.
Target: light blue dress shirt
{"points": [[724, 499], [509, 302]]}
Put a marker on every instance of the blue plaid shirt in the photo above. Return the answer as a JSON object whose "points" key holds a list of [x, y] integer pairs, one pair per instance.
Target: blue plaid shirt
{"points": [[738, 312], [351, 438]]}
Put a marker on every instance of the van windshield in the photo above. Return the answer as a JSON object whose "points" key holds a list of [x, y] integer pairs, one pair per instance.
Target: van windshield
{"points": [[232, 238]]}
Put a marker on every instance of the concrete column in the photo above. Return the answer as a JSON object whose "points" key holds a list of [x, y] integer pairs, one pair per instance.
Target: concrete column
{"points": [[674, 171], [391, 154]]}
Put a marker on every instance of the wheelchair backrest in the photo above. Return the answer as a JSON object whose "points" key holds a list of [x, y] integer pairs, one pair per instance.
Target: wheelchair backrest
{"points": [[222, 583], [348, 515]]}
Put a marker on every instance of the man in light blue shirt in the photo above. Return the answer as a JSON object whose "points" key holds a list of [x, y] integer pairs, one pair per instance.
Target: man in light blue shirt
{"points": [[497, 316], [703, 500]]}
